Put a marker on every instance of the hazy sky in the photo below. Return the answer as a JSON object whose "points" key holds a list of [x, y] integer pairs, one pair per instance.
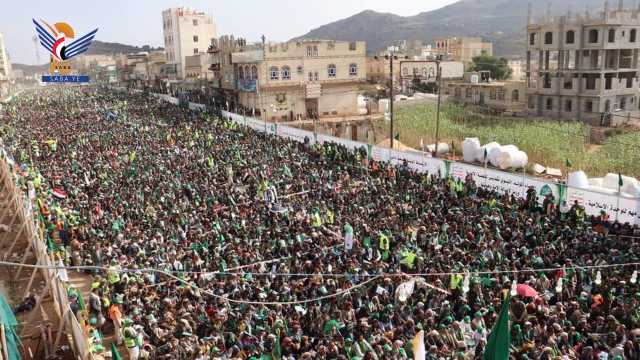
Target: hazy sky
{"points": [[138, 22]]}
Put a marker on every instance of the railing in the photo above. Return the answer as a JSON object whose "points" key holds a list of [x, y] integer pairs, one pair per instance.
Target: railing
{"points": [[54, 281]]}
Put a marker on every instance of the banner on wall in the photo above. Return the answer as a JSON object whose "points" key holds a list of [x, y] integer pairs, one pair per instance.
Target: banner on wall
{"points": [[624, 209]]}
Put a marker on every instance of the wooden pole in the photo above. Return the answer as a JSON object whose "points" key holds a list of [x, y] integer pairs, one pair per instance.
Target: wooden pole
{"points": [[24, 259], [30, 283], [3, 334], [61, 327]]}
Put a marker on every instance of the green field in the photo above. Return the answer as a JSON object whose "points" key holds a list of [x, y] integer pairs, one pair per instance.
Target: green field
{"points": [[546, 142]]}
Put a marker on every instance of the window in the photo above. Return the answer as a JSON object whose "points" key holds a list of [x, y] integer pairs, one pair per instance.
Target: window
{"points": [[500, 94], [195, 51], [353, 69], [532, 39], [593, 36], [241, 73], [467, 92], [309, 51], [315, 76], [458, 92], [286, 73], [515, 96], [331, 71], [548, 38], [568, 106], [274, 73], [546, 81], [254, 72], [591, 82], [415, 71], [549, 104], [405, 71], [571, 37], [300, 70], [315, 50], [310, 76], [352, 46], [531, 102], [195, 38], [607, 106], [588, 106], [195, 22], [632, 35], [492, 94], [612, 35], [623, 103], [568, 84]]}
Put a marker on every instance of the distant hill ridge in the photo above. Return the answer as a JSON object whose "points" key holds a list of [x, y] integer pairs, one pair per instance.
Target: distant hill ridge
{"points": [[96, 48], [502, 22]]}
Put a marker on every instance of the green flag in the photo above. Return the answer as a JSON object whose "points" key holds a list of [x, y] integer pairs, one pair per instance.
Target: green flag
{"points": [[277, 351], [115, 355], [620, 182], [500, 338], [569, 164], [397, 137]]}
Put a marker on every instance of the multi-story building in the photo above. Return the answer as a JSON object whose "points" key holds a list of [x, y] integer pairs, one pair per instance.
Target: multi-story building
{"points": [[301, 79], [427, 72], [140, 69], [584, 67], [224, 75], [197, 67], [186, 32], [463, 49], [518, 70], [405, 71], [5, 69], [496, 97]]}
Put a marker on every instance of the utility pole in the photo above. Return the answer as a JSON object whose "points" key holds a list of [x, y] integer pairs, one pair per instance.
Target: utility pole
{"points": [[439, 80], [392, 55]]}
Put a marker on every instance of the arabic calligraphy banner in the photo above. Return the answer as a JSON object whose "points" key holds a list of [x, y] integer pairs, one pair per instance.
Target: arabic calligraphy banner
{"points": [[624, 209]]}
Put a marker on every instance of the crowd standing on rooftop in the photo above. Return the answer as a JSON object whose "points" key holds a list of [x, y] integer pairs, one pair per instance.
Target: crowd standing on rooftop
{"points": [[267, 248]]}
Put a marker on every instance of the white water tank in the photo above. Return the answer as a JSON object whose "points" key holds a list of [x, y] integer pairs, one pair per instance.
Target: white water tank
{"points": [[578, 179], [488, 148], [470, 149], [512, 159], [628, 183], [443, 149]]}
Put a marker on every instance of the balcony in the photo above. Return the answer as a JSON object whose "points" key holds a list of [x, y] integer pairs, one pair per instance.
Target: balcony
{"points": [[215, 67], [594, 90]]}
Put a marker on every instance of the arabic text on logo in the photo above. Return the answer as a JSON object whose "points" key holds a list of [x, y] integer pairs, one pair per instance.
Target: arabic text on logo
{"points": [[59, 42]]}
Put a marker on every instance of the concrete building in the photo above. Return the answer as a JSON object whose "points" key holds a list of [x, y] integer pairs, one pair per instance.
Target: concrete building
{"points": [[427, 72], [140, 69], [463, 49], [197, 67], [186, 32], [224, 75], [518, 69], [407, 71], [495, 97], [584, 67], [301, 79], [5, 69]]}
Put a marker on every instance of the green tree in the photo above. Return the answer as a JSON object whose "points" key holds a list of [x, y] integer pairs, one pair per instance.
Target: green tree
{"points": [[498, 67]]}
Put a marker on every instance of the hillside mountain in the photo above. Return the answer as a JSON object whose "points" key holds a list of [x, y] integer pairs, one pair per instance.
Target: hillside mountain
{"points": [[499, 21], [110, 48], [97, 48]]}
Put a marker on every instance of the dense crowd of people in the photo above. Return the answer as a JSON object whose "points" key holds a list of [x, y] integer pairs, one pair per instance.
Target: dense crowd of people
{"points": [[267, 248]]}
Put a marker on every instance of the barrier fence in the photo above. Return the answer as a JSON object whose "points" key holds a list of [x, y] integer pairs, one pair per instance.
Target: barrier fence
{"points": [[618, 207], [56, 281]]}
